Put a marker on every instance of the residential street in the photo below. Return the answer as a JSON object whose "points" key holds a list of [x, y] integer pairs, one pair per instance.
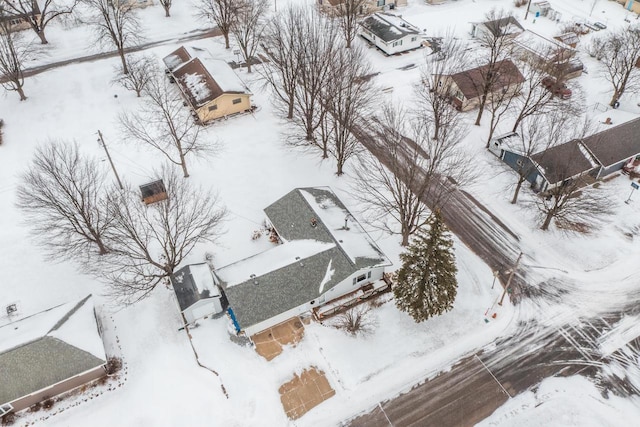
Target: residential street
{"points": [[564, 344]]}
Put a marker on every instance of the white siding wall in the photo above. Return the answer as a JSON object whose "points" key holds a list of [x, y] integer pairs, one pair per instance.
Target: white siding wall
{"points": [[203, 308], [389, 48]]}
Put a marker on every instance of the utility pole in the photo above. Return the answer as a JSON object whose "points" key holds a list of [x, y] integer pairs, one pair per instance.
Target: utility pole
{"points": [[513, 271], [527, 13], [101, 141]]}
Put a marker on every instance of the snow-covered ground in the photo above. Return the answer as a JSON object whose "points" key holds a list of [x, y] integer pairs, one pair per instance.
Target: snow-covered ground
{"points": [[164, 384]]}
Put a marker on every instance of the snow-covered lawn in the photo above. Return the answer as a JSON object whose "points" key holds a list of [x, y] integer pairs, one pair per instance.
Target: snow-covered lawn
{"points": [[164, 384]]}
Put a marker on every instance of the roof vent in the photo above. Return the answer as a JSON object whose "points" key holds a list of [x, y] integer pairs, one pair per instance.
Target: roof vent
{"points": [[11, 309], [299, 260], [255, 279], [313, 222]]}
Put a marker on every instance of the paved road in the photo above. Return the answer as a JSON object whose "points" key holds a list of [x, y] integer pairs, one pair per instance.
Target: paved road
{"points": [[479, 384], [193, 35]]}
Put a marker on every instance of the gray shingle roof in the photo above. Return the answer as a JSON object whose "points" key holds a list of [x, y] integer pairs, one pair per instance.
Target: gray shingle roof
{"points": [[297, 282], [190, 287], [388, 27], [37, 353], [563, 161], [616, 144]]}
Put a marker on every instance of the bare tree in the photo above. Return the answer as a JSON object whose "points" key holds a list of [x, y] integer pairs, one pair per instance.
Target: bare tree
{"points": [[498, 45], [39, 15], [149, 242], [115, 24], [407, 172], [164, 124], [221, 13], [619, 52], [14, 51], [248, 27], [321, 42], [536, 135], [281, 43], [141, 71], [166, 5], [348, 13], [63, 197], [434, 91], [573, 204], [347, 98], [499, 104]]}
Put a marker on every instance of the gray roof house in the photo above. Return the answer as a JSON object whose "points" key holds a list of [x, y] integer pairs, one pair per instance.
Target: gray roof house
{"points": [[597, 155], [49, 353], [390, 33], [197, 294], [326, 255]]}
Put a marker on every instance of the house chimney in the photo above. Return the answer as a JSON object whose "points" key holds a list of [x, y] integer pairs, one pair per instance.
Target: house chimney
{"points": [[607, 121]]}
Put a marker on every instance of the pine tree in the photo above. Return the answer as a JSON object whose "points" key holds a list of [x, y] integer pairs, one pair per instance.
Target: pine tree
{"points": [[426, 283]]}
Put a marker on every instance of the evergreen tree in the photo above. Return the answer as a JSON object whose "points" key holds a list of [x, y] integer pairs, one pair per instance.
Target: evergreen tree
{"points": [[426, 283]]}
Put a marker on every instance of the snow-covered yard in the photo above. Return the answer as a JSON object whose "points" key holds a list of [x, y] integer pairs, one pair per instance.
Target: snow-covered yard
{"points": [[164, 384]]}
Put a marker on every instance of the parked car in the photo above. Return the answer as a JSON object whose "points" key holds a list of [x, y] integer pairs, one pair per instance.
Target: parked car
{"points": [[558, 89], [600, 25], [592, 26]]}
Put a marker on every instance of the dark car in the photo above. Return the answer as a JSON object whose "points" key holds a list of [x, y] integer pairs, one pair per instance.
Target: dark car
{"points": [[558, 89], [600, 25]]}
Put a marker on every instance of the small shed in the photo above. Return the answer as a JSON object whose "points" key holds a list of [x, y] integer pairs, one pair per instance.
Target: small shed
{"points": [[153, 192], [570, 38], [197, 293]]}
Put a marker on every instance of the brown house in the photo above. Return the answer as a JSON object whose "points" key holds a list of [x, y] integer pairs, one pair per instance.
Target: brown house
{"points": [[331, 6], [209, 86], [466, 88], [49, 353]]}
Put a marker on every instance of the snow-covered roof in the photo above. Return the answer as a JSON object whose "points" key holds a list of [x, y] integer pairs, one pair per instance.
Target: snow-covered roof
{"points": [[49, 347], [389, 27], [318, 253], [542, 47], [193, 283], [202, 77], [271, 260]]}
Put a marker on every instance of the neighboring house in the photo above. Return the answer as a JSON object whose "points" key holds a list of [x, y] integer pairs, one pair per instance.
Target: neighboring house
{"points": [[16, 21], [554, 54], [331, 6], [209, 86], [632, 5], [540, 8], [198, 296], [326, 256], [508, 26], [49, 353], [390, 33], [596, 156], [570, 39], [465, 88]]}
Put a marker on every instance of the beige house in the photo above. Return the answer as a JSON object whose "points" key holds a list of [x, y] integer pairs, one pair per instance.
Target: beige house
{"points": [[209, 86], [465, 88], [15, 21], [632, 5], [49, 353]]}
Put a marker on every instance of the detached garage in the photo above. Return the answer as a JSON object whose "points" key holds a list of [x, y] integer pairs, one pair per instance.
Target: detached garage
{"points": [[197, 294]]}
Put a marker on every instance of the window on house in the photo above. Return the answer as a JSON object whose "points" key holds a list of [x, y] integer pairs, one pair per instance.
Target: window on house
{"points": [[369, 275], [519, 162], [361, 278], [213, 107], [380, 3], [237, 101], [414, 39]]}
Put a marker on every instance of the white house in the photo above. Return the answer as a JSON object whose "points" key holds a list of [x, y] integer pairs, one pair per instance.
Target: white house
{"points": [[198, 296], [326, 257], [390, 33]]}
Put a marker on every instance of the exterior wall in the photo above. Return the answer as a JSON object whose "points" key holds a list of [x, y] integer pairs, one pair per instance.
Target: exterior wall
{"points": [[604, 171], [342, 288], [402, 45], [633, 5], [17, 23], [533, 176], [140, 3], [59, 388], [224, 106], [203, 308]]}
